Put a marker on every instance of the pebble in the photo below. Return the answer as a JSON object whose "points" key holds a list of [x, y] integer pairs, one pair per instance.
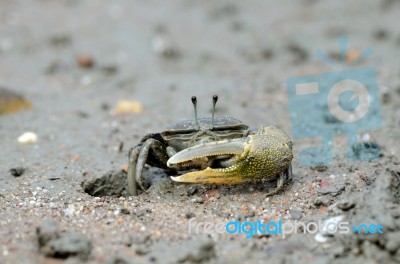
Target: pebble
{"points": [[70, 210], [320, 238], [333, 190], [345, 205], [385, 95], [85, 61], [28, 138], [212, 194], [124, 211], [198, 199], [352, 55], [192, 190], [189, 215], [127, 107], [366, 150], [17, 171]]}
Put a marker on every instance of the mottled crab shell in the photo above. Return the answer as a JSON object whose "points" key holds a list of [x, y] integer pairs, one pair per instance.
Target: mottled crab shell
{"points": [[220, 123], [181, 133]]}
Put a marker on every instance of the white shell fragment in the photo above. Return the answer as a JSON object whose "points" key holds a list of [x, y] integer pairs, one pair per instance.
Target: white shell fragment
{"points": [[28, 138]]}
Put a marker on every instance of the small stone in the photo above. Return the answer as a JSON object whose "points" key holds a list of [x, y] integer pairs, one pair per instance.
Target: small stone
{"points": [[345, 205], [320, 238], [123, 210], [322, 201], [198, 199], [333, 190], [69, 244], [47, 231], [192, 190], [27, 138], [85, 61], [366, 150], [249, 214], [70, 210], [212, 194], [17, 171], [127, 107], [319, 168], [352, 55], [190, 215], [324, 184]]}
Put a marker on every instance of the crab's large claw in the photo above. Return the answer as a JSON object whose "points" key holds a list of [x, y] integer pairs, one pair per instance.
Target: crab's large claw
{"points": [[262, 155]]}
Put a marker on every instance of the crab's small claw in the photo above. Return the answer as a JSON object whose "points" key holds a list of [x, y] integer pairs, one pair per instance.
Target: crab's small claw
{"points": [[265, 154]]}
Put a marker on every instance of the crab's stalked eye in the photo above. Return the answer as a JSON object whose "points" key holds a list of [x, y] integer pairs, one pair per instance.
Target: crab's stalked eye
{"points": [[215, 99], [194, 102]]}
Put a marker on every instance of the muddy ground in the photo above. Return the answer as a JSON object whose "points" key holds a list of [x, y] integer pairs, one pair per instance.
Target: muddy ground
{"points": [[74, 60]]}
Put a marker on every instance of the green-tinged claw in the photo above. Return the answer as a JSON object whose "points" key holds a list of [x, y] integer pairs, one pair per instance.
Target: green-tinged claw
{"points": [[263, 155]]}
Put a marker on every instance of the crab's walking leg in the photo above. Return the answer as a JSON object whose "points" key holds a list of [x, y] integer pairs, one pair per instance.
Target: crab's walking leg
{"points": [[139, 156], [133, 157], [282, 179]]}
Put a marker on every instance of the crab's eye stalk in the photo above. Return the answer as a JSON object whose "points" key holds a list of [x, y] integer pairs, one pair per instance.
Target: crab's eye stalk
{"points": [[194, 102], [215, 99]]}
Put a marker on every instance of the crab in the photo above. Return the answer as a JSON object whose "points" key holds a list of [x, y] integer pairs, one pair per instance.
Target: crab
{"points": [[224, 149]]}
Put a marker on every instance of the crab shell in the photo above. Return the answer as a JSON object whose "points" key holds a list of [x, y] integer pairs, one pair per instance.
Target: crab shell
{"points": [[186, 133]]}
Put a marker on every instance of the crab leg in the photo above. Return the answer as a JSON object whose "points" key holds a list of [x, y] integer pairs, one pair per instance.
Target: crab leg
{"points": [[138, 157], [133, 157]]}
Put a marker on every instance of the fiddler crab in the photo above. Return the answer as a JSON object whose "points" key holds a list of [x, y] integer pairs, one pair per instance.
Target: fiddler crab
{"points": [[225, 149]]}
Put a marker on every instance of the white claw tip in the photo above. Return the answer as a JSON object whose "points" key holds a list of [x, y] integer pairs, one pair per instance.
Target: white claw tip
{"points": [[175, 178]]}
